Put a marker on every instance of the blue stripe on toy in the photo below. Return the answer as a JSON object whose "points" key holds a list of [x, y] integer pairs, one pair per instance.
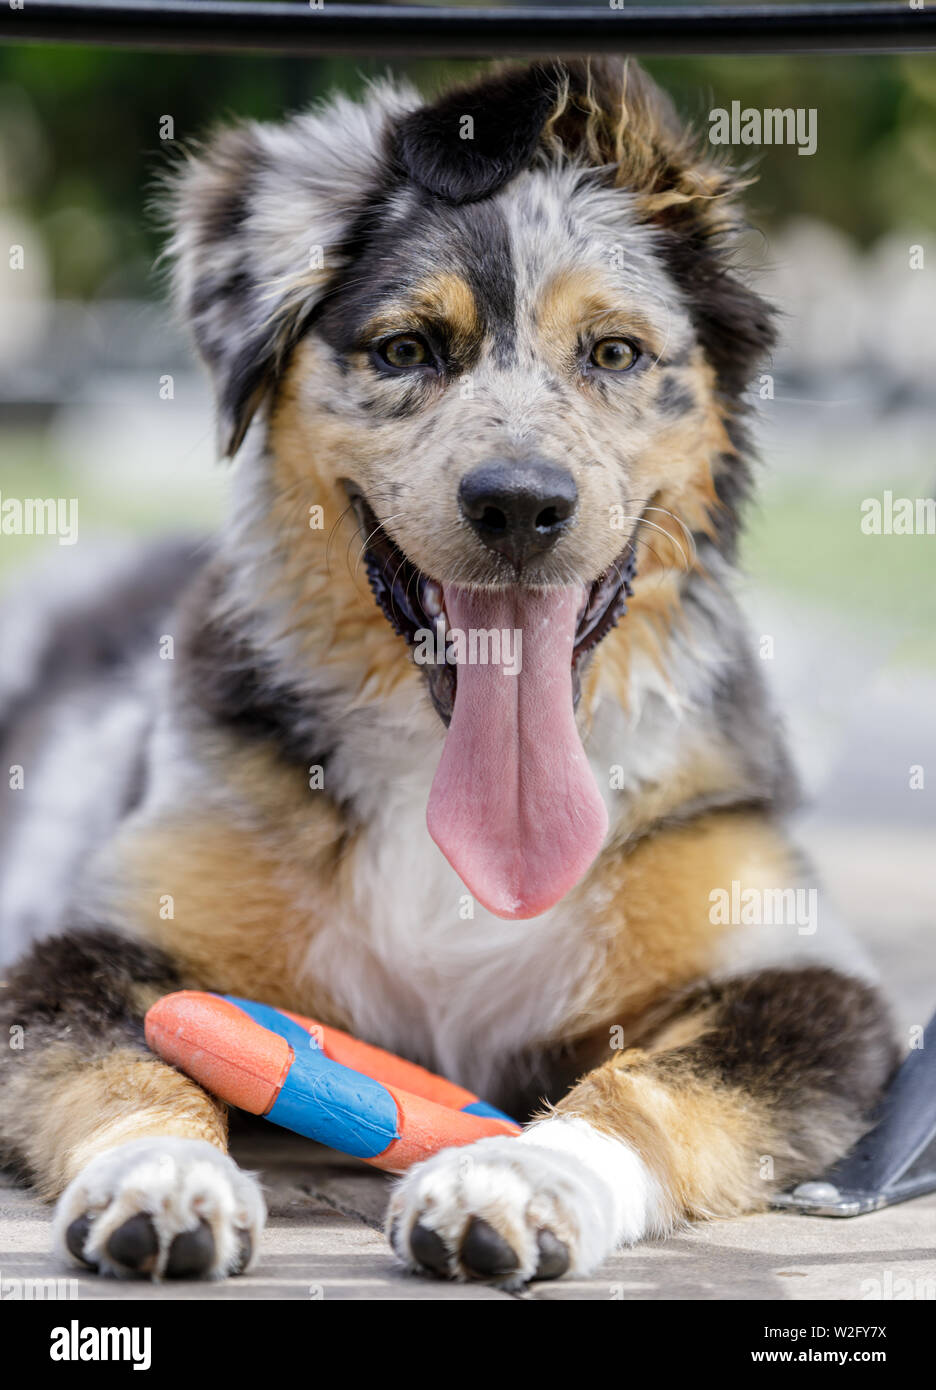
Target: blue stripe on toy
{"points": [[322, 1099], [271, 1018], [481, 1107]]}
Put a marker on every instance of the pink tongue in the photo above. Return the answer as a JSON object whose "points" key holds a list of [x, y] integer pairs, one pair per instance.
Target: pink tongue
{"points": [[514, 806]]}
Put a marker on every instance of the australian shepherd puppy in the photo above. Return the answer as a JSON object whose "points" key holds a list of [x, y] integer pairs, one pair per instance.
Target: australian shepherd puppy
{"points": [[482, 362]]}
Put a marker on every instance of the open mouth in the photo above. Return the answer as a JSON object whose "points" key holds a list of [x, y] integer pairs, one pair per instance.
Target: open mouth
{"points": [[413, 603], [514, 806]]}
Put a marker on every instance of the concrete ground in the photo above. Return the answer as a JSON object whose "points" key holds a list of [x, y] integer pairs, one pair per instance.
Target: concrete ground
{"points": [[324, 1241], [324, 1238]]}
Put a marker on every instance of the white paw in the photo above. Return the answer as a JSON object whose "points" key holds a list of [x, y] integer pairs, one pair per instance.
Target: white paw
{"points": [[161, 1207], [555, 1200]]}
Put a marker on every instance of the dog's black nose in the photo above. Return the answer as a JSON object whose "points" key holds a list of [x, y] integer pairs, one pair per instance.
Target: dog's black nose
{"points": [[518, 509]]}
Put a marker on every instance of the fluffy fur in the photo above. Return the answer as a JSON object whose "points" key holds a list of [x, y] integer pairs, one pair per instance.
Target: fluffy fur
{"points": [[274, 842]]}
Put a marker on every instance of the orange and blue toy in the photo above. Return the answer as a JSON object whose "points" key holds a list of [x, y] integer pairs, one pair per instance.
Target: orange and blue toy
{"points": [[317, 1081]]}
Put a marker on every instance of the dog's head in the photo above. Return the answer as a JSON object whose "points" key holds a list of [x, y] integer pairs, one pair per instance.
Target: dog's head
{"points": [[502, 331]]}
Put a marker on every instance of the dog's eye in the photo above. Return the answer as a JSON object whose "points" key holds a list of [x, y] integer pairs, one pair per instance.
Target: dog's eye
{"points": [[405, 350], [614, 354]]}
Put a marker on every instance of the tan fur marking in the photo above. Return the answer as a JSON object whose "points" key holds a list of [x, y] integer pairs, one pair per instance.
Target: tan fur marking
{"points": [[701, 1141], [243, 913], [682, 1031], [448, 297], [659, 934], [440, 298], [72, 1108], [579, 299], [326, 605], [676, 466]]}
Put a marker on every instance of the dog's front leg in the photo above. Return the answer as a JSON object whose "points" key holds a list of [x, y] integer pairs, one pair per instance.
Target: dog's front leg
{"points": [[134, 1151], [754, 1084]]}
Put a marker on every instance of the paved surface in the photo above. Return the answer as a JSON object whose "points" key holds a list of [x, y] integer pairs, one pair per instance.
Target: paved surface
{"points": [[324, 1238], [324, 1242]]}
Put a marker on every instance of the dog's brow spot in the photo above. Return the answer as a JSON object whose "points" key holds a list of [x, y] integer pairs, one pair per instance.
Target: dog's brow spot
{"points": [[572, 300], [447, 298]]}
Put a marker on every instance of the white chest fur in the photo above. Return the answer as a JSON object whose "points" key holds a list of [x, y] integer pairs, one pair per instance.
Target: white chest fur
{"points": [[424, 969], [429, 972]]}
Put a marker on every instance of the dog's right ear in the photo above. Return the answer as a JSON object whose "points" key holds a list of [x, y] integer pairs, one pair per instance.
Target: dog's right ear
{"points": [[258, 217]]}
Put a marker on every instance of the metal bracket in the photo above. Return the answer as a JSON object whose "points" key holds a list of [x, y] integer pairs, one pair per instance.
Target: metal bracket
{"points": [[893, 1162]]}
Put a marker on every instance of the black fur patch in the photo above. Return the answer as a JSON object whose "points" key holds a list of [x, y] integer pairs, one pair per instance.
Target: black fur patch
{"points": [[472, 242], [249, 376], [733, 485], [507, 112], [77, 990], [674, 397], [732, 322], [78, 987], [230, 681], [814, 1045]]}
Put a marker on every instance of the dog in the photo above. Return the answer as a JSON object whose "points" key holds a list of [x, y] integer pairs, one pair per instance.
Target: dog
{"points": [[483, 361]]}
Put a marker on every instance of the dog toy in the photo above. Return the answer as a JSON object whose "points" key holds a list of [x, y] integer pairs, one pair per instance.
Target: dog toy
{"points": [[317, 1081]]}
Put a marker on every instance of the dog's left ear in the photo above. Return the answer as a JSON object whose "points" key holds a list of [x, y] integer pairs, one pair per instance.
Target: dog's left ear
{"points": [[258, 219]]}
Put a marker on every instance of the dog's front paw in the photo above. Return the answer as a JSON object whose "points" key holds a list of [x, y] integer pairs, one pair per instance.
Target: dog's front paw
{"points": [[161, 1208], [555, 1200]]}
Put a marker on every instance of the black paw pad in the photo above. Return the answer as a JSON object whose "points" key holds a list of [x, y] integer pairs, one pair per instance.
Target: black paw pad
{"points": [[134, 1245], [76, 1238], [484, 1253], [553, 1256], [428, 1248], [192, 1253]]}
